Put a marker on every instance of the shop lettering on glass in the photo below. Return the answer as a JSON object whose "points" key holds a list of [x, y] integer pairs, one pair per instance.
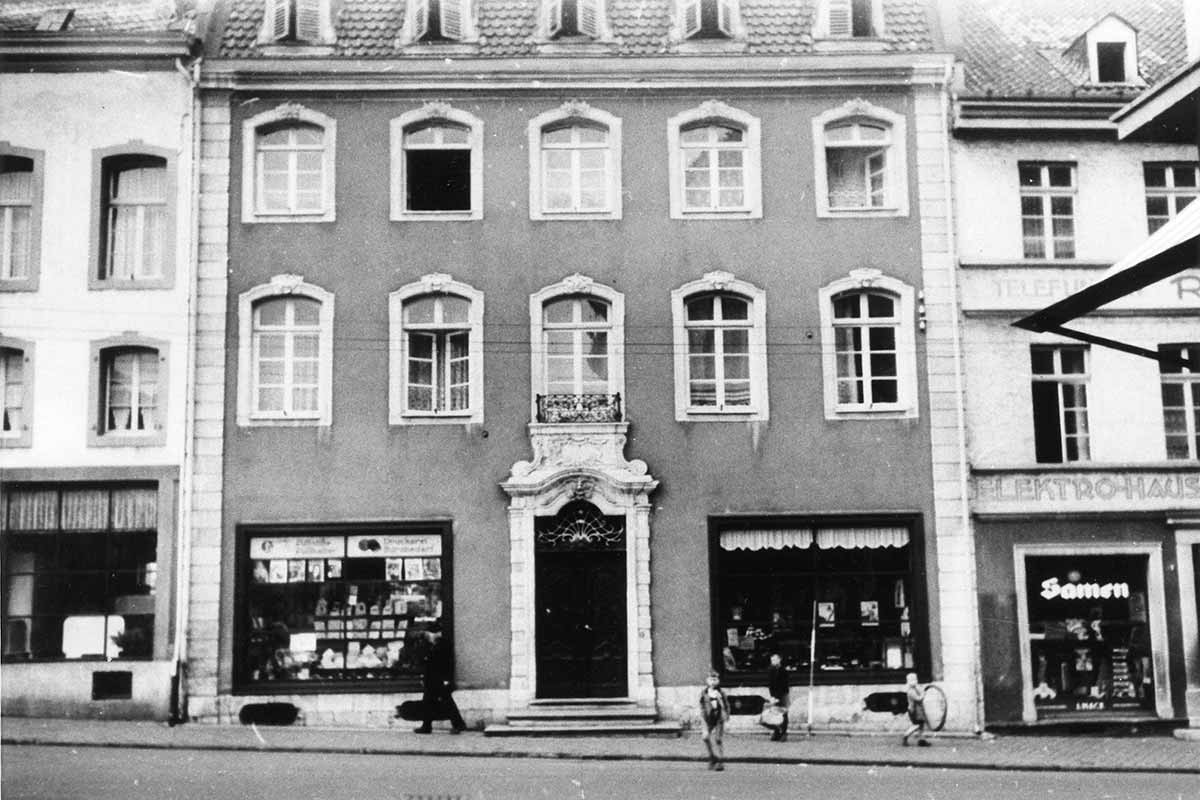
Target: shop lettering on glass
{"points": [[1052, 589]]}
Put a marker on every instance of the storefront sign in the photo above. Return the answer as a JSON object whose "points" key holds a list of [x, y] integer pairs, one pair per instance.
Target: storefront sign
{"points": [[1017, 288], [1052, 589], [298, 547], [389, 546], [1015, 492]]}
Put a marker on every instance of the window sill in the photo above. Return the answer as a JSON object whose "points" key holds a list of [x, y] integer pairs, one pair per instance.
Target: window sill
{"points": [[745, 213], [408, 418], [867, 414], [258, 218], [825, 212], [25, 440], [29, 284], [130, 284], [283, 422], [126, 440], [574, 216], [714, 415], [436, 216]]}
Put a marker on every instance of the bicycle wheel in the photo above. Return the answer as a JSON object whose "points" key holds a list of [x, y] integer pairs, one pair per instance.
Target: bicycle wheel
{"points": [[935, 707]]}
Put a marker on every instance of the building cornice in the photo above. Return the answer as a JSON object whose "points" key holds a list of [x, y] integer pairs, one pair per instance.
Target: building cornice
{"points": [[42, 51], [542, 72], [978, 114]]}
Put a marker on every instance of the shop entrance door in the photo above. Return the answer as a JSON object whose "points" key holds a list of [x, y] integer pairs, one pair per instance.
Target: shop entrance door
{"points": [[580, 596]]}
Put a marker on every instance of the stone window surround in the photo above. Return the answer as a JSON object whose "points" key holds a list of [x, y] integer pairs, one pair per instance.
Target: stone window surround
{"points": [[96, 436], [433, 112], [26, 349], [133, 148], [296, 113], [38, 157], [896, 188], [567, 112], [717, 112]]}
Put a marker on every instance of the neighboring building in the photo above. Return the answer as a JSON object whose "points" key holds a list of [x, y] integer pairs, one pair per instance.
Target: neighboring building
{"points": [[644, 336], [1084, 459], [96, 159]]}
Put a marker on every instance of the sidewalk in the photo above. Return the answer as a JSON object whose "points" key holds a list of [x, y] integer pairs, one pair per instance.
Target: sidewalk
{"points": [[1007, 752]]}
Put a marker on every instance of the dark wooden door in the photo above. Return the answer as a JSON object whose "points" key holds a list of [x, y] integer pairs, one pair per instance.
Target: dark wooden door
{"points": [[580, 595]]}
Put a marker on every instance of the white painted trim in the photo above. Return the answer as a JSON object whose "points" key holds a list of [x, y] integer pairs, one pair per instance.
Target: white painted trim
{"points": [[568, 111], [759, 409], [716, 111], [398, 352], [897, 160], [577, 285], [399, 180], [1112, 30], [283, 113], [865, 280], [1185, 540], [1155, 609], [284, 286]]}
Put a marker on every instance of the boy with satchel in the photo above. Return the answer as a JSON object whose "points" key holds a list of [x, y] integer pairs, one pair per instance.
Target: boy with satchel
{"points": [[714, 711]]}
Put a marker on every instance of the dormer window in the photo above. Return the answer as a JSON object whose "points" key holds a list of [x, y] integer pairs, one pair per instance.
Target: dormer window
{"points": [[568, 19], [297, 21], [1110, 62], [1111, 47], [708, 19], [438, 21], [850, 19]]}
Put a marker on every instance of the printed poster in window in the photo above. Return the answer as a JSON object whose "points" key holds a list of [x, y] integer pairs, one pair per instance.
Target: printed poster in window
{"points": [[316, 570], [868, 612], [333, 569], [279, 570], [296, 572], [261, 573], [826, 614], [394, 569], [433, 568], [414, 569]]}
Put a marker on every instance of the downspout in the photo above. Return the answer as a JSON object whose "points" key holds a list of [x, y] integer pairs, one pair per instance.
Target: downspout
{"points": [[964, 470], [183, 559]]}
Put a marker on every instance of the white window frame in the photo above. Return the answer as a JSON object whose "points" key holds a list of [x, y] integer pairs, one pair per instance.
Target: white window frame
{"points": [[895, 167], [433, 113], [313, 15], [283, 286], [1060, 378], [581, 285], [907, 404], [717, 113], [23, 437], [251, 180], [550, 19], [416, 22], [1112, 30], [1170, 192], [433, 284], [97, 436], [1045, 193], [830, 25], [723, 283], [28, 282], [1189, 381], [567, 113]]}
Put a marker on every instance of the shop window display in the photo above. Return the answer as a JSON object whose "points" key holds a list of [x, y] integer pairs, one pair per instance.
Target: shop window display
{"points": [[341, 607], [1089, 634], [855, 583]]}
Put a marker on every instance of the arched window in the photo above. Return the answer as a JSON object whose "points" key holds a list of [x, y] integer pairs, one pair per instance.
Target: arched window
{"points": [[860, 163], [715, 162], [436, 361], [20, 217], [285, 354], [720, 349], [133, 227], [578, 369], [129, 391], [868, 346], [288, 165], [575, 164], [437, 164]]}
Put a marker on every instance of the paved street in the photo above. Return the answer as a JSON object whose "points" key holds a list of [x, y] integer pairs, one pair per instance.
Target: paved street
{"points": [[65, 773]]}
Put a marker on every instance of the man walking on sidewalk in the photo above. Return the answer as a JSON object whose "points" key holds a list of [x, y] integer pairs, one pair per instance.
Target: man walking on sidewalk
{"points": [[437, 679]]}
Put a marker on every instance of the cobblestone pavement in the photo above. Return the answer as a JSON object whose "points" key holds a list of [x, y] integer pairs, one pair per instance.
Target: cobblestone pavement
{"points": [[1009, 751]]}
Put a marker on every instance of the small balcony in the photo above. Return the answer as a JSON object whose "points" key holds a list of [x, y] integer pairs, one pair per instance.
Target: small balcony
{"points": [[569, 408]]}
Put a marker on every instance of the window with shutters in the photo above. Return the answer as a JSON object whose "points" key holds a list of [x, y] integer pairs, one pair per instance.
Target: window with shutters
{"points": [[715, 163], [297, 22], [16, 392], [128, 392], [850, 19], [575, 164], [438, 21], [288, 166], [285, 354], [437, 164], [20, 217], [436, 352], [708, 19], [133, 221], [566, 20], [860, 164]]}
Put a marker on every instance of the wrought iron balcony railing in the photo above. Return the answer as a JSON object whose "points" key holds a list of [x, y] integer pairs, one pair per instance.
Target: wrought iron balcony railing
{"points": [[579, 408]]}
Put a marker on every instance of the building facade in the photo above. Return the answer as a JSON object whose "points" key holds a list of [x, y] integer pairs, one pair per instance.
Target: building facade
{"points": [[615, 340], [96, 148], [1084, 477]]}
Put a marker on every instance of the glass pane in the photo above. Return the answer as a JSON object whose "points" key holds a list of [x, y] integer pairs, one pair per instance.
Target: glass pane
{"points": [[880, 306], [1156, 175], [1073, 360], [557, 136], [591, 135], [884, 391], [839, 133], [595, 343], [1031, 206], [883, 365], [1156, 206], [1030, 174], [271, 345], [872, 133], [882, 338], [725, 133], [702, 367], [560, 343], [1042, 360], [306, 311], [700, 309], [736, 341], [701, 341], [697, 160], [304, 372], [1185, 176], [420, 136], [702, 393], [1061, 206], [737, 393], [847, 339], [730, 158], [270, 399], [595, 370], [1060, 175], [270, 373], [271, 312], [560, 311], [305, 345], [304, 399], [698, 135], [419, 310], [455, 309], [1172, 394], [737, 367], [734, 308], [847, 306]]}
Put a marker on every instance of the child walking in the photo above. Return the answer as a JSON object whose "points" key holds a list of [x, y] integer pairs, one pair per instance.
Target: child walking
{"points": [[714, 710], [916, 711]]}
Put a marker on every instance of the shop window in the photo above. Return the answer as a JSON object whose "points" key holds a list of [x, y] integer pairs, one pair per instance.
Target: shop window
{"points": [[1169, 190], [16, 392], [20, 217], [1181, 401], [80, 572], [860, 165], [1047, 209], [438, 21], [720, 359], [715, 162], [1089, 634], [437, 353], [437, 164], [858, 583], [575, 164], [338, 608], [1060, 408], [285, 354], [129, 378], [288, 166]]}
